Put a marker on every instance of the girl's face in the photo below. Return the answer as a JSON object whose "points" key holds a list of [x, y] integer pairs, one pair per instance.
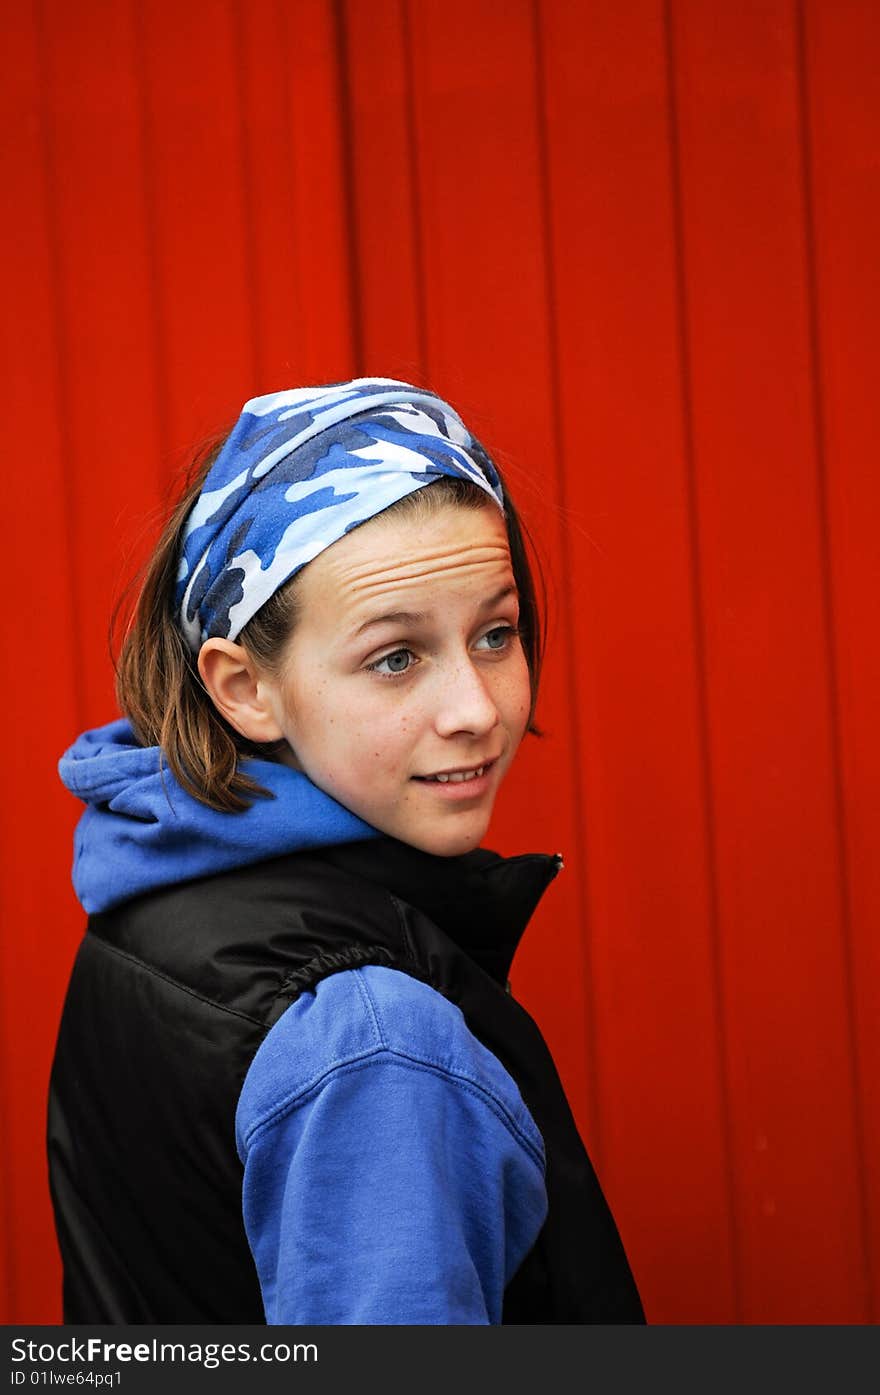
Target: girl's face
{"points": [[404, 691]]}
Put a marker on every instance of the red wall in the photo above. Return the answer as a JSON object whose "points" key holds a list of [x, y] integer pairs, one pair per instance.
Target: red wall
{"points": [[636, 244]]}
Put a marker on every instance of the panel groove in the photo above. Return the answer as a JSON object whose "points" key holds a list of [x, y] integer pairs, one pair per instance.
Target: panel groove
{"points": [[347, 146], [248, 199], [699, 651], [828, 615], [415, 192], [574, 705], [158, 335], [290, 155]]}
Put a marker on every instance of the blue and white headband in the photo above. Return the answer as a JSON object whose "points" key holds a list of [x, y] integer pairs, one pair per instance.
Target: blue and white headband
{"points": [[299, 470]]}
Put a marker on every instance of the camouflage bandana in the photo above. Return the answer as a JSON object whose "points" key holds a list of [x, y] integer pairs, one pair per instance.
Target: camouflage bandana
{"points": [[299, 470]]}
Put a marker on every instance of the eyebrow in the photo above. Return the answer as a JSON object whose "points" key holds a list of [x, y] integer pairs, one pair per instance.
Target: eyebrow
{"points": [[418, 617]]}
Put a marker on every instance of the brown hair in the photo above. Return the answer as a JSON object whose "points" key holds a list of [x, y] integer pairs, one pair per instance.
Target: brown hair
{"points": [[158, 685]]}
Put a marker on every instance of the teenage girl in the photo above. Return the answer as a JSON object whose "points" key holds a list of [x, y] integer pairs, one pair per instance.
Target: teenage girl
{"points": [[291, 1084]]}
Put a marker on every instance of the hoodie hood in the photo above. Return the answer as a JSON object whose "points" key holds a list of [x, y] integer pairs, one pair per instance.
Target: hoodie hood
{"points": [[141, 830]]}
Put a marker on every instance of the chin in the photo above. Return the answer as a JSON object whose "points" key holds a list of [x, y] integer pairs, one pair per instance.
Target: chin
{"points": [[449, 844]]}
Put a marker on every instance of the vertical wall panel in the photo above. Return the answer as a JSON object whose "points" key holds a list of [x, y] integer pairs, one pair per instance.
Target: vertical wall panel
{"points": [[385, 159], [841, 53], [106, 352], [658, 1067], [194, 175], [294, 197], [38, 673], [328, 327], [267, 145], [771, 739]]}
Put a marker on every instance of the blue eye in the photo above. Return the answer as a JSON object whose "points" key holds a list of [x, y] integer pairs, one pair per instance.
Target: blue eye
{"points": [[500, 637], [397, 662]]}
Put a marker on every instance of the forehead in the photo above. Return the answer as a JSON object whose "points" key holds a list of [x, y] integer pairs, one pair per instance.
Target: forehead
{"points": [[431, 558]]}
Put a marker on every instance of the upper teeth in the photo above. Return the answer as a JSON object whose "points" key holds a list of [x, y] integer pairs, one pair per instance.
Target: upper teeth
{"points": [[459, 775]]}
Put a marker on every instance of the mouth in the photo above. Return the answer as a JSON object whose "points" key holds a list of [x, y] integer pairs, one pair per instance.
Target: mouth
{"points": [[461, 776]]}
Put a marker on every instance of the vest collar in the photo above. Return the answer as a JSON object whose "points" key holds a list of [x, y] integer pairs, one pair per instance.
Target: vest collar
{"points": [[481, 900]]}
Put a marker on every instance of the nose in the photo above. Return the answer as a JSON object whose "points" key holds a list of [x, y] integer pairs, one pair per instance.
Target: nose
{"points": [[465, 703]]}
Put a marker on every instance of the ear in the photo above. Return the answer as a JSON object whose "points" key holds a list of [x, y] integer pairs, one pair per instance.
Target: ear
{"points": [[238, 691]]}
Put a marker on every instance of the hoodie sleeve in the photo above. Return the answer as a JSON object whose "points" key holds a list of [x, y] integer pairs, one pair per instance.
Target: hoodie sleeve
{"points": [[392, 1173]]}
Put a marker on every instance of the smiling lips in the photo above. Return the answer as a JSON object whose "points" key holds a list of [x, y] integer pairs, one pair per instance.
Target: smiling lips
{"points": [[456, 777]]}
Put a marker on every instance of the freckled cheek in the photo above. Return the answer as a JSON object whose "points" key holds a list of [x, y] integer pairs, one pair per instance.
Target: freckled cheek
{"points": [[318, 734], [382, 756], [360, 746]]}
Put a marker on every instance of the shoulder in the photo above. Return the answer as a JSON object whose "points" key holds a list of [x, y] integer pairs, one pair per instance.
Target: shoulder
{"points": [[380, 1023], [392, 1173]]}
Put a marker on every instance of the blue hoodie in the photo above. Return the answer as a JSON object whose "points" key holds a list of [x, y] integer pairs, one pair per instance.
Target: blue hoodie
{"points": [[141, 830], [392, 1173]]}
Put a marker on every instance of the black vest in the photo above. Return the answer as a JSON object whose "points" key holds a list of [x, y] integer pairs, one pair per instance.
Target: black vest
{"points": [[170, 997]]}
